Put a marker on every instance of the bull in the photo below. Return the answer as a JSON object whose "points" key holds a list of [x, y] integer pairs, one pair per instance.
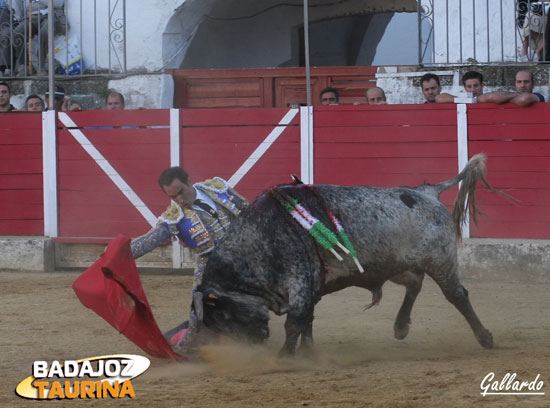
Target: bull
{"points": [[269, 262]]}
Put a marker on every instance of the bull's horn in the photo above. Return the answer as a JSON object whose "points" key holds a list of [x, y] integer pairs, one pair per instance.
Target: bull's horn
{"points": [[197, 305]]}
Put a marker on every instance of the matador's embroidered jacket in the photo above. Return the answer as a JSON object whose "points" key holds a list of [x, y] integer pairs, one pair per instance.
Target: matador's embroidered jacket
{"points": [[197, 230]]}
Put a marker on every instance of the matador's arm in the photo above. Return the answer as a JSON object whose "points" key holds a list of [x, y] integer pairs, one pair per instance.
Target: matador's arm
{"points": [[151, 240]]}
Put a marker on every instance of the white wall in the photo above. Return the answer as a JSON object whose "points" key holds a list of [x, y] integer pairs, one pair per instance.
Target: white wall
{"points": [[146, 91]]}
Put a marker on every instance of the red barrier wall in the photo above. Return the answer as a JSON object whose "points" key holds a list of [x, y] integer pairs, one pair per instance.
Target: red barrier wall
{"points": [[21, 193], [386, 145], [217, 142], [90, 205], [370, 145], [213, 143], [517, 142]]}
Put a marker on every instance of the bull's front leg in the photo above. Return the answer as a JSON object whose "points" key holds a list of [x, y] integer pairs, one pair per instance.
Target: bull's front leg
{"points": [[304, 288], [306, 343], [298, 322]]}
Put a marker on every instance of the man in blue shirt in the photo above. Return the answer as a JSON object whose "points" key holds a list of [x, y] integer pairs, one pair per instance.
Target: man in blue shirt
{"points": [[525, 84]]}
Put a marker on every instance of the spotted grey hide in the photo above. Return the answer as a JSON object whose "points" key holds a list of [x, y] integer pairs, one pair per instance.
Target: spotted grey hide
{"points": [[269, 262]]}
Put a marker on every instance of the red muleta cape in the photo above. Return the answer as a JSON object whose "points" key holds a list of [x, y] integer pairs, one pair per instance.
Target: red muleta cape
{"points": [[111, 287]]}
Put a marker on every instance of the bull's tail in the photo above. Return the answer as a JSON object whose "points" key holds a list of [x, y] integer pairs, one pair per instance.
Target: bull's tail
{"points": [[466, 200]]}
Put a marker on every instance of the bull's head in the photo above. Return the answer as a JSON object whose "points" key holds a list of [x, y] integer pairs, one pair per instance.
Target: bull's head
{"points": [[240, 316]]}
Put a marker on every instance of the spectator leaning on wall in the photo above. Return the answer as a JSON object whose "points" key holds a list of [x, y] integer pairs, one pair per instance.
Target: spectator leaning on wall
{"points": [[329, 96], [375, 96], [34, 103], [473, 84], [5, 98], [525, 83], [431, 87], [114, 101]]}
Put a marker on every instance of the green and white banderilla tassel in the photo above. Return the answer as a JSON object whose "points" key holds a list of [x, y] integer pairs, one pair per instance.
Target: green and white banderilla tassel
{"points": [[345, 240], [319, 231]]}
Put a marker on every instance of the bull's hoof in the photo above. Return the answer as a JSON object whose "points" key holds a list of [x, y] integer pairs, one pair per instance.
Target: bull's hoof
{"points": [[285, 352], [401, 329], [485, 338], [400, 332]]}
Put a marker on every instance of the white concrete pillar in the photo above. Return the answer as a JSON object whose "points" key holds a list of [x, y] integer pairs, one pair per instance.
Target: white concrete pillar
{"points": [[462, 143], [175, 137], [306, 144], [175, 128], [49, 170]]}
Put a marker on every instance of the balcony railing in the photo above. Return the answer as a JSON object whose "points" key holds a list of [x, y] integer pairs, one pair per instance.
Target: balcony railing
{"points": [[89, 37], [483, 31]]}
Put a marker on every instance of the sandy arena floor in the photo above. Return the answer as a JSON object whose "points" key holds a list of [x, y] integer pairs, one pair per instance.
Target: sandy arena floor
{"points": [[358, 363]]}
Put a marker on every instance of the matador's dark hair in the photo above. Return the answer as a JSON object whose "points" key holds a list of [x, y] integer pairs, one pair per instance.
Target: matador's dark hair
{"points": [[171, 174]]}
